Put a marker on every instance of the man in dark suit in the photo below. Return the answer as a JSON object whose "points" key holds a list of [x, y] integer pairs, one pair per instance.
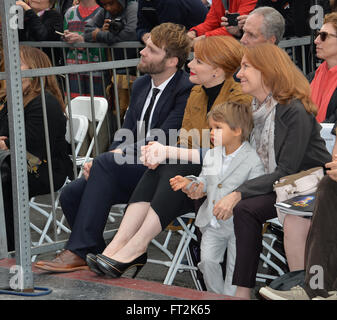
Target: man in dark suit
{"points": [[157, 102]]}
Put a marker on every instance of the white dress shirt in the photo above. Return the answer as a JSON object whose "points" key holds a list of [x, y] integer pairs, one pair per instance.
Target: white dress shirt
{"points": [[147, 101]]}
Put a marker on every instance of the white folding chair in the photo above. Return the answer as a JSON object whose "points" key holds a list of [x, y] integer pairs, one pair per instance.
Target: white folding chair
{"points": [[176, 260], [272, 259], [80, 128], [82, 106], [328, 136]]}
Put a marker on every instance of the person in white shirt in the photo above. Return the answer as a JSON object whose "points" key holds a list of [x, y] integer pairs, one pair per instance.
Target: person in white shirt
{"points": [[230, 163]]}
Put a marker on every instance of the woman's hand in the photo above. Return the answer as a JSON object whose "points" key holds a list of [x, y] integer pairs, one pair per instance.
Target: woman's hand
{"points": [[23, 4], [179, 182], [223, 209], [153, 154], [332, 173]]}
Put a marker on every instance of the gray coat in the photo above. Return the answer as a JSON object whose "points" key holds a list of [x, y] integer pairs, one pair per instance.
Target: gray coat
{"points": [[244, 166]]}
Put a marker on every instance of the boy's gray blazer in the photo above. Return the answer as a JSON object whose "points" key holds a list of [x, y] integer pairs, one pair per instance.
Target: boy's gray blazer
{"points": [[244, 166]]}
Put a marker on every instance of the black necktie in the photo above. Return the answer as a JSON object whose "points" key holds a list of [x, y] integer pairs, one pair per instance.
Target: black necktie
{"points": [[147, 114]]}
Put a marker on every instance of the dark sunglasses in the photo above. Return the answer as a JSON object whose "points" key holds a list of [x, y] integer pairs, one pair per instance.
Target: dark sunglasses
{"points": [[323, 35]]}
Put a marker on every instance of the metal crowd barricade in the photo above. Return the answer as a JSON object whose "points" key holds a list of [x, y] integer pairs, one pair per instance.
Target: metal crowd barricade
{"points": [[301, 43], [124, 46]]}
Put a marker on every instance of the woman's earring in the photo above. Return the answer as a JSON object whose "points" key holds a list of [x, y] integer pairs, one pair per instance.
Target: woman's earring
{"points": [[214, 75]]}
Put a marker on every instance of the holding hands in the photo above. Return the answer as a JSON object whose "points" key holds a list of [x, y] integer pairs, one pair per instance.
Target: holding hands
{"points": [[179, 182], [195, 191], [153, 154]]}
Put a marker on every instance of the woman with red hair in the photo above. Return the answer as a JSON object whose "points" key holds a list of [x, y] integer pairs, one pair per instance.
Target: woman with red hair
{"points": [[287, 138]]}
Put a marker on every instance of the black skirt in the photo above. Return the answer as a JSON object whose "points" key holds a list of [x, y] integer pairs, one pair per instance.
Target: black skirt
{"points": [[154, 187]]}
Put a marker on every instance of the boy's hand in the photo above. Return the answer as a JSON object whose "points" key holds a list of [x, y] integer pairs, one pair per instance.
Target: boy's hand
{"points": [[195, 191], [179, 182]]}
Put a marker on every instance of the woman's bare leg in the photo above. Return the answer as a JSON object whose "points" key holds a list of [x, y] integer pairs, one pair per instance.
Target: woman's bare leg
{"points": [[132, 220], [138, 244], [295, 236]]}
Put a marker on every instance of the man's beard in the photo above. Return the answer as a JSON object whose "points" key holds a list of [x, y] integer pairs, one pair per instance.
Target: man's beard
{"points": [[151, 68]]}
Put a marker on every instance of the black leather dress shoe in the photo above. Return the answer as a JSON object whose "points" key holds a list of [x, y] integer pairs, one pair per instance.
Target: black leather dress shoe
{"points": [[115, 269], [91, 260]]}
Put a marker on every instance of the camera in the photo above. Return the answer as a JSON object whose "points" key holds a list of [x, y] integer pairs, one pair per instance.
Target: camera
{"points": [[232, 21], [116, 25]]}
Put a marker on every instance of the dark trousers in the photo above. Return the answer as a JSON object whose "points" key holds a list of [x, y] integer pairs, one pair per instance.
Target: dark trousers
{"points": [[37, 185], [87, 203], [154, 187], [249, 216], [321, 246]]}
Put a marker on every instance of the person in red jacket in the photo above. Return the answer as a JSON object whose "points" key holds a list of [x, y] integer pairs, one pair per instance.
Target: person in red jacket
{"points": [[212, 24]]}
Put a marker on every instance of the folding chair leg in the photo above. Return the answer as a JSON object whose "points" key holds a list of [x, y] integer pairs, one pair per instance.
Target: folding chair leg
{"points": [[179, 256]]}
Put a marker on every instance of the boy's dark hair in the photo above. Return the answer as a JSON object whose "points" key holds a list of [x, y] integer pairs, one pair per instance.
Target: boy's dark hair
{"points": [[236, 115], [173, 39]]}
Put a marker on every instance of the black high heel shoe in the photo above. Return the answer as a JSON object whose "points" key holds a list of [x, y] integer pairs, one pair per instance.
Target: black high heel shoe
{"points": [[115, 268], [91, 260]]}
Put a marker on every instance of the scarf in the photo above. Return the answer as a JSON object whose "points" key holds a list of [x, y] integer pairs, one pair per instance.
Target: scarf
{"points": [[322, 88], [262, 137]]}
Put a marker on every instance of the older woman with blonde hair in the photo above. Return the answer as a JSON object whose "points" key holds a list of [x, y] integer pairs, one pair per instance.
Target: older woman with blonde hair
{"points": [[37, 165], [154, 204], [287, 138]]}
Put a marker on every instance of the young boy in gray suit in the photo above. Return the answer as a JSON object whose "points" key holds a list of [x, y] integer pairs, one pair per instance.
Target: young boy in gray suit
{"points": [[230, 163]]}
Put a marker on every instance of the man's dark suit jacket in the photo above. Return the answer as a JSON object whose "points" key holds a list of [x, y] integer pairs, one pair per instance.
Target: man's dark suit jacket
{"points": [[168, 113]]}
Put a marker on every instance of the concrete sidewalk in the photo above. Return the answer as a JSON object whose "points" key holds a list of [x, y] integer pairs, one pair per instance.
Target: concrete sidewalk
{"points": [[86, 285]]}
